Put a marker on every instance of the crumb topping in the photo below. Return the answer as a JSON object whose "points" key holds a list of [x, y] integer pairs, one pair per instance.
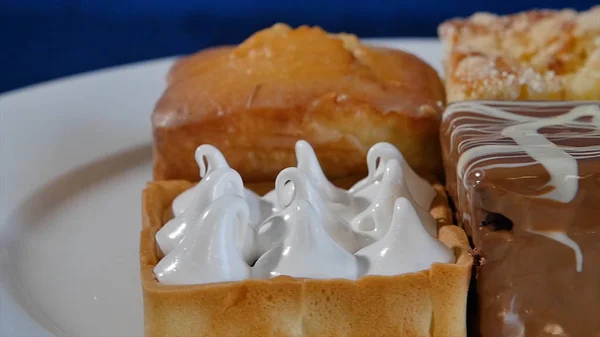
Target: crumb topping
{"points": [[529, 55]]}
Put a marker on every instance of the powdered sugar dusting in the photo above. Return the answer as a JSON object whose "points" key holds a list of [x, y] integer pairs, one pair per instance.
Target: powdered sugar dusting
{"points": [[529, 55]]}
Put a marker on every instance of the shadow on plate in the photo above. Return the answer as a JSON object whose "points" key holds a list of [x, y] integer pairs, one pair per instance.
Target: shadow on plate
{"points": [[48, 197]]}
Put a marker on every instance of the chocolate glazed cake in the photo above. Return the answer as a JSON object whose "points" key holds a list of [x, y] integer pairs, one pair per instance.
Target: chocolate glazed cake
{"points": [[525, 177]]}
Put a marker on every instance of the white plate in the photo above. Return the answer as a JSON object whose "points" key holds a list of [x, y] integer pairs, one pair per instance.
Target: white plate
{"points": [[74, 156]]}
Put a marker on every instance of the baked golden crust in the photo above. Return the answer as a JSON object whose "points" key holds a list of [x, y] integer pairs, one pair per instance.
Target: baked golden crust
{"points": [[426, 303], [254, 101], [534, 55]]}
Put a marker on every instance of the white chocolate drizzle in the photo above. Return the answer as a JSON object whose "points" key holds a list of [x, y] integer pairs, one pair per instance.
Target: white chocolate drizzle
{"points": [[500, 134], [567, 241], [513, 324]]}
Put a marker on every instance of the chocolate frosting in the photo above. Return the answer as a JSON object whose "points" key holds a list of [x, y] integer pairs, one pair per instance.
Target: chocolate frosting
{"points": [[525, 177]]}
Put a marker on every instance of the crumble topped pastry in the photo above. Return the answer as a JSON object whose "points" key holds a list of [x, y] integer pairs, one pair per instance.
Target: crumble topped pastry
{"points": [[534, 55]]}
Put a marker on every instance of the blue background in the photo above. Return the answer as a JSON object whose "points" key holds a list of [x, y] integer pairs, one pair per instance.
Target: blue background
{"points": [[42, 40]]}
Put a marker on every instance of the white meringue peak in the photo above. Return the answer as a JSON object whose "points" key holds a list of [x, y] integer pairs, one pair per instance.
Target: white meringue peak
{"points": [[309, 164], [215, 184], [406, 247], [209, 159], [304, 189], [307, 251], [341, 201], [209, 254], [306, 227], [374, 221], [377, 158]]}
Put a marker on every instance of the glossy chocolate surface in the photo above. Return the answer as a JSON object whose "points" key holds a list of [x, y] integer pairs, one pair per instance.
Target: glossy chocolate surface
{"points": [[525, 177]]}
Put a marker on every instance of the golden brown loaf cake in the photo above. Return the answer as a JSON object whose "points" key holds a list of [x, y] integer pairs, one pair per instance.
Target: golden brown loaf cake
{"points": [[429, 303], [254, 101], [535, 55]]}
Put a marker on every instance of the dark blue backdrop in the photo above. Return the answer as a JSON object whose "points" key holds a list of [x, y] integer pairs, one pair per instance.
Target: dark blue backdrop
{"points": [[45, 39]]}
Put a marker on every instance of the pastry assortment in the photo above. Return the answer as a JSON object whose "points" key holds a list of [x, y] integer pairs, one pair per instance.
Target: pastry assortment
{"points": [[265, 219]]}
